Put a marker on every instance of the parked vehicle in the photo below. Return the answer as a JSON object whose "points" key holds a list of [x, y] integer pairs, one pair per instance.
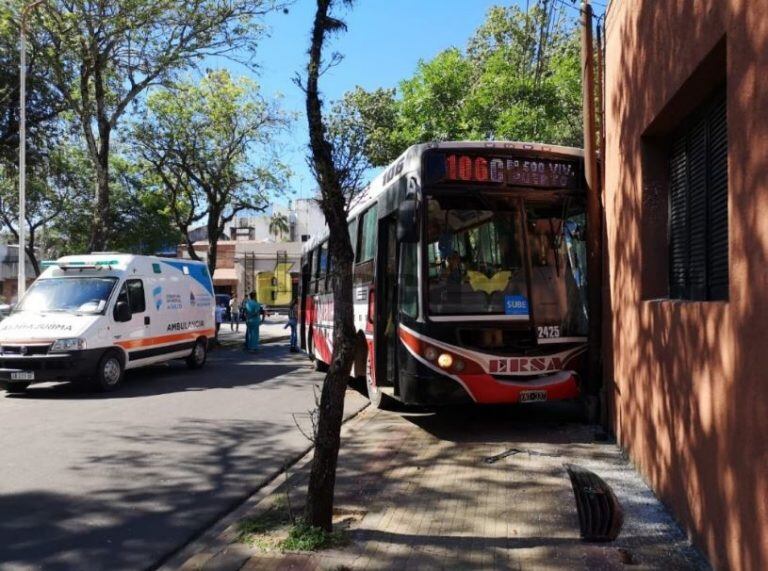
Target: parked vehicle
{"points": [[91, 317], [469, 276]]}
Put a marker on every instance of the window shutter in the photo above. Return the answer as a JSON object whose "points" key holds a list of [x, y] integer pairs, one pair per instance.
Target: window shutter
{"points": [[717, 206], [697, 210], [698, 205], [678, 218]]}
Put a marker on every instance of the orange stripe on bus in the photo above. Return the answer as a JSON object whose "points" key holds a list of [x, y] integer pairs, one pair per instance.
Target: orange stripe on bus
{"points": [[149, 341]]}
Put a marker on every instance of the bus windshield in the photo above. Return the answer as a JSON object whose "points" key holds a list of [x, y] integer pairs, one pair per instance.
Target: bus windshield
{"points": [[475, 253], [75, 295], [477, 261]]}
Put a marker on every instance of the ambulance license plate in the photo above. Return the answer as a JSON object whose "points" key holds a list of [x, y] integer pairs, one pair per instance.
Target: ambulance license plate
{"points": [[533, 396], [23, 376]]}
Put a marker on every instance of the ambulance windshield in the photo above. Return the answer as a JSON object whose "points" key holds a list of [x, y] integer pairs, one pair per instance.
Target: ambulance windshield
{"points": [[86, 295]]}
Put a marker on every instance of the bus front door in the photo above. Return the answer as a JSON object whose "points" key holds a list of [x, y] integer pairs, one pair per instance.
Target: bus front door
{"points": [[386, 299]]}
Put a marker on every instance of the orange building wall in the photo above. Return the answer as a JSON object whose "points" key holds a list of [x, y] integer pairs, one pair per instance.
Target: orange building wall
{"points": [[689, 397]]}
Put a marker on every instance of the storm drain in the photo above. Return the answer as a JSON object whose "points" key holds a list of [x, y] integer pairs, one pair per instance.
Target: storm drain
{"points": [[600, 513]]}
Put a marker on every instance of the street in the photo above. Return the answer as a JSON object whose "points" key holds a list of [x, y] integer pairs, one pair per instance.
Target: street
{"points": [[121, 480]]}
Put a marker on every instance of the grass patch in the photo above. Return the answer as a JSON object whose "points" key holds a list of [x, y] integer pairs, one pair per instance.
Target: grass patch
{"points": [[304, 537], [274, 530], [265, 530]]}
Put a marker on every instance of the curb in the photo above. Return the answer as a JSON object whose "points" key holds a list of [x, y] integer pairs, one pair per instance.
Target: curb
{"points": [[219, 534]]}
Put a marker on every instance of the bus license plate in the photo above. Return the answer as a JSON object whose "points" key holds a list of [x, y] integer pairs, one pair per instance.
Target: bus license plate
{"points": [[533, 396], [23, 376]]}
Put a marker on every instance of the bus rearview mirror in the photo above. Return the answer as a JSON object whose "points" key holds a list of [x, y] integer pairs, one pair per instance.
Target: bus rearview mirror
{"points": [[407, 222]]}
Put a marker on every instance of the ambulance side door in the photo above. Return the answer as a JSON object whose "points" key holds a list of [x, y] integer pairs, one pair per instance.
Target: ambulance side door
{"points": [[133, 334]]}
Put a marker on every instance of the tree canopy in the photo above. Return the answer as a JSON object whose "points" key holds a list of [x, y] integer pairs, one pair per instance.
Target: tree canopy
{"points": [[209, 148], [103, 55], [518, 79]]}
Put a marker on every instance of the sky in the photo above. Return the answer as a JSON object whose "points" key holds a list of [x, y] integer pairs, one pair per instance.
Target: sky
{"points": [[383, 44]]}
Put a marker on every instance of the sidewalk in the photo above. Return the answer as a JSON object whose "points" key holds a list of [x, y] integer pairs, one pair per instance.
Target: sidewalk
{"points": [[271, 331], [416, 492]]}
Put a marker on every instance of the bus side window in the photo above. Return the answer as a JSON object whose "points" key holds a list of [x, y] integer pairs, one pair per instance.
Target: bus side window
{"points": [[322, 267], [315, 264], [366, 248], [353, 235]]}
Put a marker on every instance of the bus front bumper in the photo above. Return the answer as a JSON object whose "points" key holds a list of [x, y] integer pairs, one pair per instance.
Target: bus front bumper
{"points": [[429, 388]]}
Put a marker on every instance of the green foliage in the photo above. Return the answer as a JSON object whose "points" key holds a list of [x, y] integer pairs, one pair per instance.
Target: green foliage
{"points": [[518, 79], [209, 150], [367, 117], [104, 55], [278, 224], [304, 537], [258, 530]]}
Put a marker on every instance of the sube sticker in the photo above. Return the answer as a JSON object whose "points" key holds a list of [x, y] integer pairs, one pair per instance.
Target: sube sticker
{"points": [[515, 305]]}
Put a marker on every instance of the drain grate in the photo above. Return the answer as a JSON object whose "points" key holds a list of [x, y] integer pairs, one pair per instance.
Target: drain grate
{"points": [[600, 513]]}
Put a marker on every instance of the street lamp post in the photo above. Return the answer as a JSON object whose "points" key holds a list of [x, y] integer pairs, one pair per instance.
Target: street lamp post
{"points": [[23, 146]]}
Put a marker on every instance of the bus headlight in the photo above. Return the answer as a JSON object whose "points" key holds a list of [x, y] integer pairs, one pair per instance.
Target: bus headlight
{"points": [[71, 344], [430, 353], [445, 360]]}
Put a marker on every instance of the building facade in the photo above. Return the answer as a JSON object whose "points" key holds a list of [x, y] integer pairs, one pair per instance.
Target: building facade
{"points": [[252, 256], [303, 218], [686, 298]]}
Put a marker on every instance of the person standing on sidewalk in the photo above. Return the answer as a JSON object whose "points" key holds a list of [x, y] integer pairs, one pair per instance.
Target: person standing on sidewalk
{"points": [[234, 315], [252, 322], [293, 321], [220, 311]]}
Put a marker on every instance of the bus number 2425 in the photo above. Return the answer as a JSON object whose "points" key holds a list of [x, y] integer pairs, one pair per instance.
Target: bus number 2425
{"points": [[548, 331]]}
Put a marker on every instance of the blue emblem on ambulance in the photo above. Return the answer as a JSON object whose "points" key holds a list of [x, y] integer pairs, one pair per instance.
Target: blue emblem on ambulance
{"points": [[157, 293]]}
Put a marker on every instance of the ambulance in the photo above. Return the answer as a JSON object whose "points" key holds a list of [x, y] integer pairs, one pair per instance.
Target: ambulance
{"points": [[91, 317]]}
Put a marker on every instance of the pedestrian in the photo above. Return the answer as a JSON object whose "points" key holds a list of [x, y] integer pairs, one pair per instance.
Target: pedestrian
{"points": [[293, 321], [234, 315], [220, 311], [252, 322]]}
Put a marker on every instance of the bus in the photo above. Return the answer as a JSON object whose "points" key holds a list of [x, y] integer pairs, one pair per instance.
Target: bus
{"points": [[469, 276]]}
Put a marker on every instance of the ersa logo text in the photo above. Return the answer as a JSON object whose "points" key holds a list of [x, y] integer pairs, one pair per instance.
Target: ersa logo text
{"points": [[524, 365]]}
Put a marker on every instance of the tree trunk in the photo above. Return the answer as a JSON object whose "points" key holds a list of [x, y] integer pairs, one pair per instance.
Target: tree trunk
{"points": [[213, 238], [320, 491], [98, 240], [31, 251]]}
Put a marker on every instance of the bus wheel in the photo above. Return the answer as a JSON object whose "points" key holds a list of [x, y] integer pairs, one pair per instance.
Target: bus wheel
{"points": [[110, 372], [199, 355]]}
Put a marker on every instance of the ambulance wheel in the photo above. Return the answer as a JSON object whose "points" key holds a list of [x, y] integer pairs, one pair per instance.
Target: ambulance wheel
{"points": [[16, 388], [199, 355], [110, 372]]}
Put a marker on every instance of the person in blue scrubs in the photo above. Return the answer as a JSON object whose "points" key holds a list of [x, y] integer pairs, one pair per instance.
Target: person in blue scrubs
{"points": [[252, 322]]}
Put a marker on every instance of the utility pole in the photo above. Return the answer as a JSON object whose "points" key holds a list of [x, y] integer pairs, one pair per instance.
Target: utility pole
{"points": [[594, 216], [22, 275]]}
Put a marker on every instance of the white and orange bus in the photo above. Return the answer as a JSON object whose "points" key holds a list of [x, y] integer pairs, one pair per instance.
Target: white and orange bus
{"points": [[469, 276]]}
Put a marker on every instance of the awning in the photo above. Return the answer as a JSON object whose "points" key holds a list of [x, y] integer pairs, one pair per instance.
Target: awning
{"points": [[225, 276]]}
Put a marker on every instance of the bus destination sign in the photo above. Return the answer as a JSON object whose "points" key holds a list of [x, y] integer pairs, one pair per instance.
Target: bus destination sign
{"points": [[518, 171]]}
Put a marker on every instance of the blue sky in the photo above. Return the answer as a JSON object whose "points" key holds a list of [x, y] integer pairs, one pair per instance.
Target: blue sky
{"points": [[383, 44]]}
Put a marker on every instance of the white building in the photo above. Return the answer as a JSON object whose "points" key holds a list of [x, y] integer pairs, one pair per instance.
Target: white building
{"points": [[248, 248]]}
